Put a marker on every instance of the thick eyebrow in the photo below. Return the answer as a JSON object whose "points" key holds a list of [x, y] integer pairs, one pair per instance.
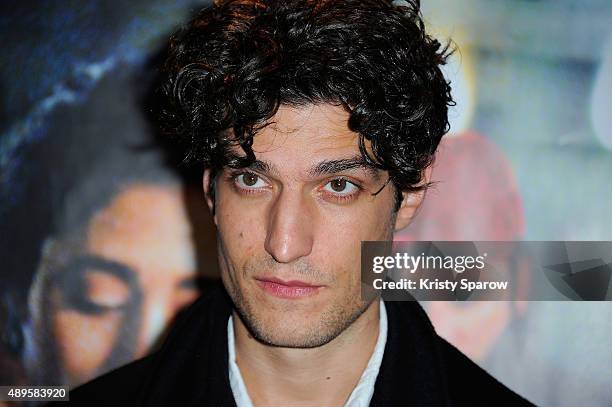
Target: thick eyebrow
{"points": [[88, 261], [326, 167], [263, 167], [330, 167]]}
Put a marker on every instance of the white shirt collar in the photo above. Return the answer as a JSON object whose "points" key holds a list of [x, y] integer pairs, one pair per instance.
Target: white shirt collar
{"points": [[362, 393]]}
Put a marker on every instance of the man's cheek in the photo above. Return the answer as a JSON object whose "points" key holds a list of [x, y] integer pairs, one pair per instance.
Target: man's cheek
{"points": [[355, 224], [246, 241]]}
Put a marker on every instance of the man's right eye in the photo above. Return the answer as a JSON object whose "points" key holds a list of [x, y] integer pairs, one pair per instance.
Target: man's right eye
{"points": [[249, 181]]}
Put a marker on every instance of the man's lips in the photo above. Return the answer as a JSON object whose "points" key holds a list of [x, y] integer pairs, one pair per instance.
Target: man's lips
{"points": [[287, 289]]}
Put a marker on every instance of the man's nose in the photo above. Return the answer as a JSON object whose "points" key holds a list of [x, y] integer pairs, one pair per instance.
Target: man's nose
{"points": [[290, 228]]}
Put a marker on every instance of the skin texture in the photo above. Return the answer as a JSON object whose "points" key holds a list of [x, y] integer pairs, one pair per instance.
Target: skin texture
{"points": [[291, 224], [145, 228]]}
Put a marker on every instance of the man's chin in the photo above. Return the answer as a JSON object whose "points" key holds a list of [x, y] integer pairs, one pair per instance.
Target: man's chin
{"points": [[293, 325], [290, 335], [287, 327]]}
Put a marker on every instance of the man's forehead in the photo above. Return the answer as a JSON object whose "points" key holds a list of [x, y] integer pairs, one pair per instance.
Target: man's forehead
{"points": [[312, 140], [318, 127]]}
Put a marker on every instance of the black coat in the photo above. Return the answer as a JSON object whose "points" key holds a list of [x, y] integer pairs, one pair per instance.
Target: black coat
{"points": [[191, 369]]}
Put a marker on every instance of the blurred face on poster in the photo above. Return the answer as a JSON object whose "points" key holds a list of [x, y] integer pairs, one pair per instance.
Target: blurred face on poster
{"points": [[104, 295]]}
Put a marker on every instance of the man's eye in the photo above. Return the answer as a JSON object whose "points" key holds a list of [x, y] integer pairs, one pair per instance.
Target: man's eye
{"points": [[341, 186], [248, 180]]}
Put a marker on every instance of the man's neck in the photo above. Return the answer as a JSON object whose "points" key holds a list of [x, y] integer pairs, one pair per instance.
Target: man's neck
{"points": [[321, 376]]}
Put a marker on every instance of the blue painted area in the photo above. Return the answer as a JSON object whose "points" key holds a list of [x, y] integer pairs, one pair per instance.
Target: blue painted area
{"points": [[56, 53]]}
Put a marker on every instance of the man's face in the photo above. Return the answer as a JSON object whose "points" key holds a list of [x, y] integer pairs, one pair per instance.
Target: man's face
{"points": [[290, 227]]}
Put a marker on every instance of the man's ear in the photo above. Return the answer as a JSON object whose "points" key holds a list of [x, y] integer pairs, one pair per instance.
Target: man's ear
{"points": [[209, 192], [411, 202]]}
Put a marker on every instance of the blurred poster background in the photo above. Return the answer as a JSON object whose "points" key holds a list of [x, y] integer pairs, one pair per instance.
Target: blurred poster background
{"points": [[104, 239]]}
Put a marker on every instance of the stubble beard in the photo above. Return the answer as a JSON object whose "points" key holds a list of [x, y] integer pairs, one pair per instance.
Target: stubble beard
{"points": [[322, 329]]}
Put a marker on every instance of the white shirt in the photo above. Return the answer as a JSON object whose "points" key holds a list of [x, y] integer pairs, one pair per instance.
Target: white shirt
{"points": [[362, 393]]}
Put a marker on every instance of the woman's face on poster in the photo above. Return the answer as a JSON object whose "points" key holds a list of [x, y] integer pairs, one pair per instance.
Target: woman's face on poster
{"points": [[133, 268]]}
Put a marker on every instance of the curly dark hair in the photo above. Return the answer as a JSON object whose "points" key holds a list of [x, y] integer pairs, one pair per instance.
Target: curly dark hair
{"points": [[237, 61]]}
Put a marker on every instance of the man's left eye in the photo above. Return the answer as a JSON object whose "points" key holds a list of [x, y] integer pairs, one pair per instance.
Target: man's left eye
{"points": [[341, 186]]}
